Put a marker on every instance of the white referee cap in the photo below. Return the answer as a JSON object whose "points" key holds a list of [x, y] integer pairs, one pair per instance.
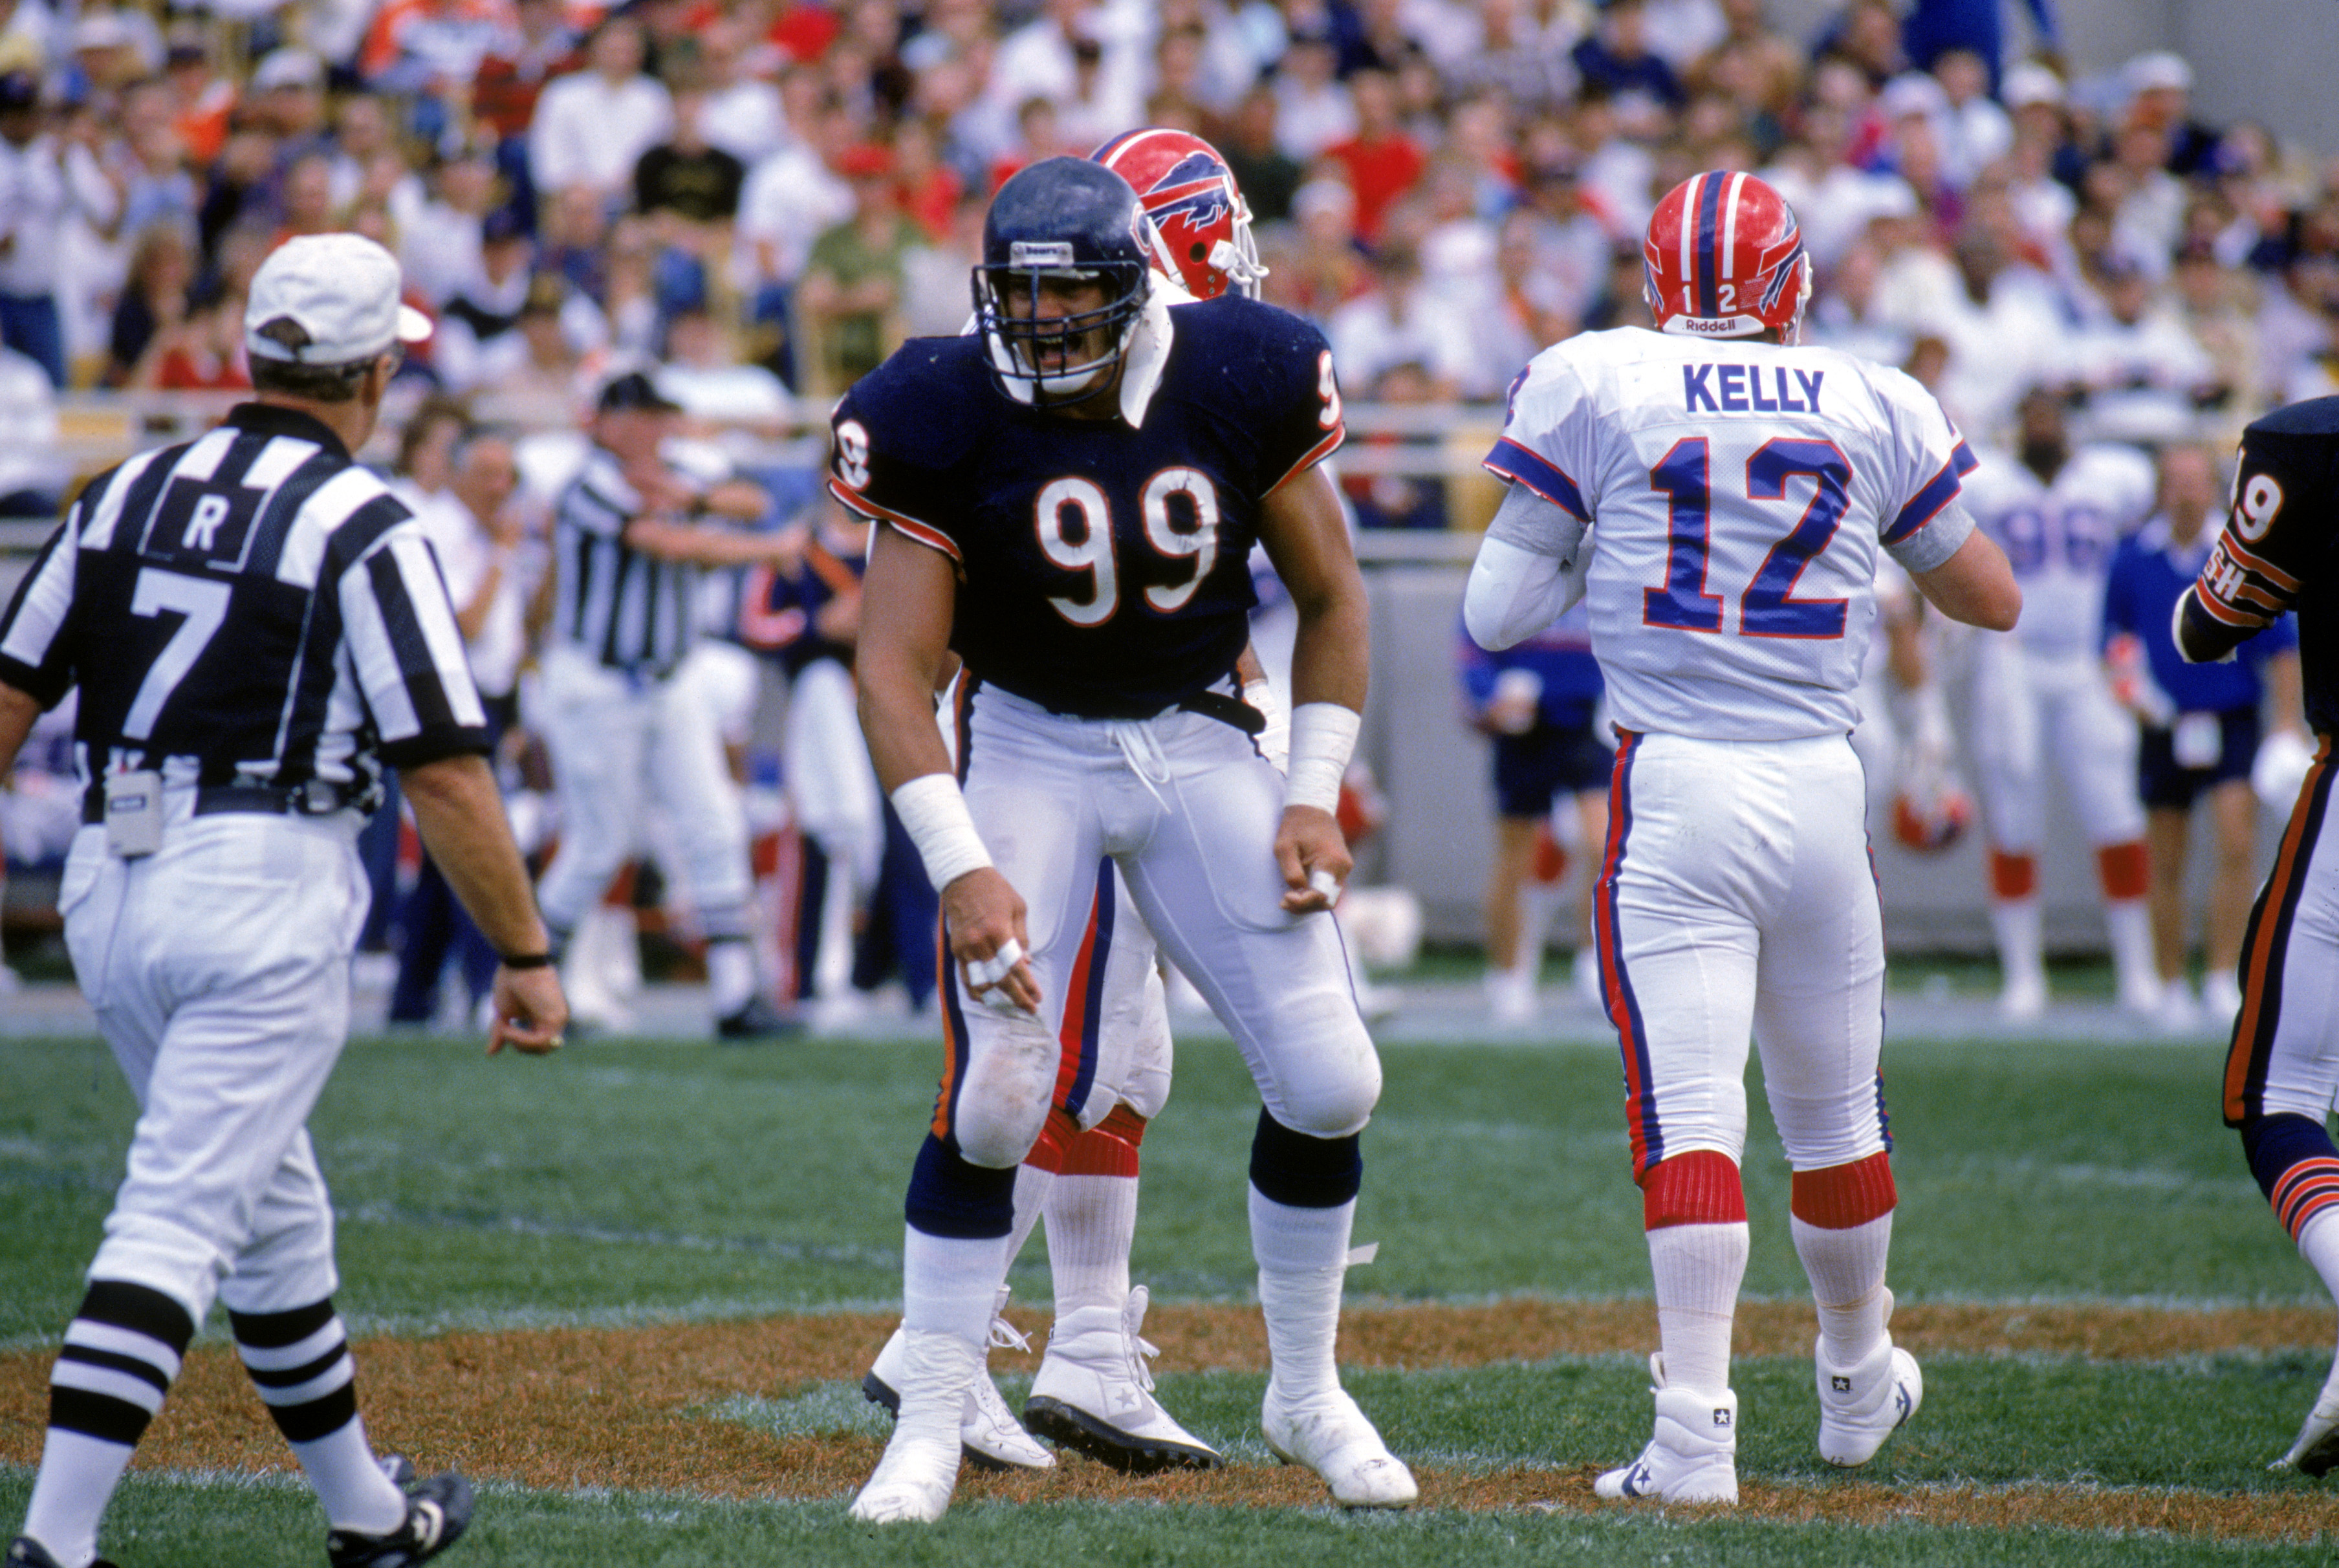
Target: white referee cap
{"points": [[327, 300]]}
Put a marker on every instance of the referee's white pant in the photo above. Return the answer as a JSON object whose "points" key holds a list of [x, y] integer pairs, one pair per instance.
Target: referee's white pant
{"points": [[1736, 897], [614, 736], [218, 967]]}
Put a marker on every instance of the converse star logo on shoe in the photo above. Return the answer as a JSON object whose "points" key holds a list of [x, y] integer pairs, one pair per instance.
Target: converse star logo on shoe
{"points": [[426, 1521], [1841, 1383], [1722, 1417], [1636, 1484]]}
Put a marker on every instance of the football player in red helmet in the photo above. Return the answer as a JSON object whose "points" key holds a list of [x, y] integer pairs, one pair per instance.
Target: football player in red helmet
{"points": [[1197, 212], [1725, 258]]}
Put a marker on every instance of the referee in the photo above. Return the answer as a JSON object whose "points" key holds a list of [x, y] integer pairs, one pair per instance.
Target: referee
{"points": [[257, 629], [629, 534]]}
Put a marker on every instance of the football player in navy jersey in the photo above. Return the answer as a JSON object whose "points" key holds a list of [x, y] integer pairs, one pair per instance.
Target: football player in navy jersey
{"points": [[2282, 1070], [1070, 495], [1093, 1391]]}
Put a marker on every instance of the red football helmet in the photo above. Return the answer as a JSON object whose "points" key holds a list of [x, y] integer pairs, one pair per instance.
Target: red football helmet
{"points": [[1725, 259], [1199, 213]]}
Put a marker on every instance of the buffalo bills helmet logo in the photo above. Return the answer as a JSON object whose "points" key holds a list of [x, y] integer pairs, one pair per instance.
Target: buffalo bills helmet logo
{"points": [[1190, 200]]}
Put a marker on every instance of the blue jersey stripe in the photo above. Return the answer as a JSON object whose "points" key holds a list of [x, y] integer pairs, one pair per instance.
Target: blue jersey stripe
{"points": [[1513, 461], [1939, 491]]}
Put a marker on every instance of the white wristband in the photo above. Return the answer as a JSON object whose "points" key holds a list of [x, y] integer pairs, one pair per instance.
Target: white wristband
{"points": [[935, 813], [1323, 734]]}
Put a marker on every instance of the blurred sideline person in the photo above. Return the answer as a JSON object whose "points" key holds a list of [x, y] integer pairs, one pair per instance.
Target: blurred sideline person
{"points": [[2281, 1073], [213, 897], [2202, 725], [1100, 715], [1719, 494], [476, 536], [1538, 700], [2039, 694], [628, 537]]}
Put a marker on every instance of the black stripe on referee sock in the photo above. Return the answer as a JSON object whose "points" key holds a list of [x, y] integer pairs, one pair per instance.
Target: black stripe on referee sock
{"points": [[114, 1361], [319, 1417], [275, 1330], [98, 1415], [293, 1377], [119, 1304]]}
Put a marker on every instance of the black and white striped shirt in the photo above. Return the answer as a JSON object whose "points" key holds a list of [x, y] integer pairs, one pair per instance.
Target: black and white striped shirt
{"points": [[625, 608], [252, 608]]}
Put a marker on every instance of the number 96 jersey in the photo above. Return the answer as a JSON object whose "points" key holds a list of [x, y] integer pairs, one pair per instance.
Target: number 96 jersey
{"points": [[1738, 491], [1102, 566], [2059, 537]]}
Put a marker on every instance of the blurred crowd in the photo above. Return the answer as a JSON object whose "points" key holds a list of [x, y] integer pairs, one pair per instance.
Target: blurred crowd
{"points": [[1444, 185], [755, 200]]}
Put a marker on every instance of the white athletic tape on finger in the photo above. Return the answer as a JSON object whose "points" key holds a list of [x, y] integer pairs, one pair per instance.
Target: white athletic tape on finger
{"points": [[1325, 882], [981, 973]]}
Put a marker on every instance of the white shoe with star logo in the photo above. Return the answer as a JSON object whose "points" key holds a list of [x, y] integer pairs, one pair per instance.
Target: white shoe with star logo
{"points": [[1094, 1395], [1693, 1456]]}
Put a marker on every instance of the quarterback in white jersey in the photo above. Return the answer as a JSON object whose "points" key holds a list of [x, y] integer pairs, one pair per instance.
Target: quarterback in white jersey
{"points": [[1720, 496], [2058, 515]]}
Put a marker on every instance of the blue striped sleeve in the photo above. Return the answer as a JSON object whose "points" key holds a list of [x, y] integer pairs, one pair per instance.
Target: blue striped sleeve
{"points": [[1545, 478], [1937, 492]]}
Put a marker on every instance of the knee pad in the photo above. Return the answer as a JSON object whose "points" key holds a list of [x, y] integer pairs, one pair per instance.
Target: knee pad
{"points": [[2295, 1165], [949, 1196], [1843, 1196], [1299, 1171], [1699, 1187], [1329, 1088], [1003, 1102]]}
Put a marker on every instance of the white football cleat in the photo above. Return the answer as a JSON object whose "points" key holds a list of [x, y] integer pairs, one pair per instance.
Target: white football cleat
{"points": [[1693, 1457], [913, 1481], [988, 1431], [2023, 999], [1094, 1395], [1863, 1405], [1332, 1437], [2317, 1449]]}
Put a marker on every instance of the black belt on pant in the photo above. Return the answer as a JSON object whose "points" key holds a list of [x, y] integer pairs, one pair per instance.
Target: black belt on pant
{"points": [[315, 798]]}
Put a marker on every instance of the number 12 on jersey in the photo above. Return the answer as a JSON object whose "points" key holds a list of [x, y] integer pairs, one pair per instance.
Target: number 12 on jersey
{"points": [[1768, 607]]}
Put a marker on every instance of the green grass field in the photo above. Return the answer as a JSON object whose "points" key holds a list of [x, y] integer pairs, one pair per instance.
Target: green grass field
{"points": [[625, 1183]]}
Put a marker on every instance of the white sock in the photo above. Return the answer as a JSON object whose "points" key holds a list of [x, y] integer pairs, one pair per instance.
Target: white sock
{"points": [[1032, 1186], [349, 1483], [2014, 922], [1698, 1269], [2318, 1243], [1303, 1258], [76, 1480], [1091, 1225], [2129, 923], [730, 974], [1847, 1273], [950, 1284]]}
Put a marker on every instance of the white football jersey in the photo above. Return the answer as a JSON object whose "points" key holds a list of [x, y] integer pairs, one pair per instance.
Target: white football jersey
{"points": [[1738, 492], [2059, 537]]}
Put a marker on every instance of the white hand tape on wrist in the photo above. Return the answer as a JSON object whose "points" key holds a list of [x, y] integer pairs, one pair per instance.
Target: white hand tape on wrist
{"points": [[1323, 736], [981, 973], [934, 814]]}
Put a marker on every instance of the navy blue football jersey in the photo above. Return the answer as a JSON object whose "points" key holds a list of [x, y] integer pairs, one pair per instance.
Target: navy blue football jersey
{"points": [[2276, 552], [1103, 571]]}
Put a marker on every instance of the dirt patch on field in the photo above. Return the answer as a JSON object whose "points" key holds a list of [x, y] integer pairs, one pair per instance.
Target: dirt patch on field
{"points": [[565, 1408]]}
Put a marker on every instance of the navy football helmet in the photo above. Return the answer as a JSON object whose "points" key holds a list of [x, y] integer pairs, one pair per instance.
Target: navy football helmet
{"points": [[1060, 220]]}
